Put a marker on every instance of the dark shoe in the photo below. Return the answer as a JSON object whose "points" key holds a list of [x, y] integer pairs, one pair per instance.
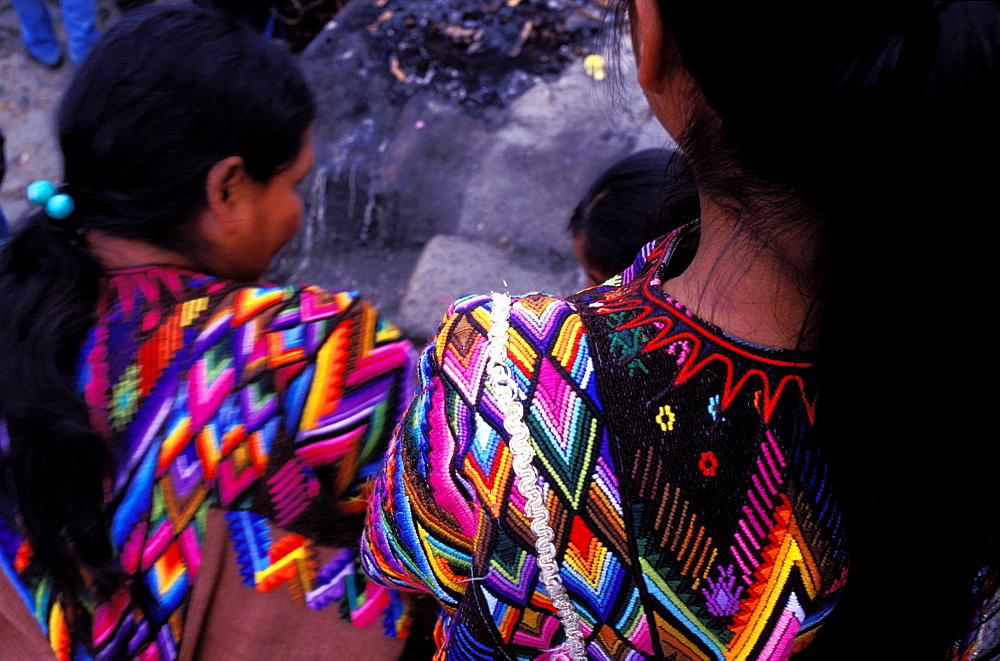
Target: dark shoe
{"points": [[47, 61], [37, 33]]}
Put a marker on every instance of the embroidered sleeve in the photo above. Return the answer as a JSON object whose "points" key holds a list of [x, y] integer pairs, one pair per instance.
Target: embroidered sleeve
{"points": [[445, 509], [424, 515]]}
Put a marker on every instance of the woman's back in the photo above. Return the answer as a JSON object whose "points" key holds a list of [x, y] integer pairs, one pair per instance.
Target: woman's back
{"points": [[679, 465], [246, 419], [845, 157]]}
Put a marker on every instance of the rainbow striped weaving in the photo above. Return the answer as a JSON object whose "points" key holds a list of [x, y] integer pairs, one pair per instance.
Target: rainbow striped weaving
{"points": [[689, 499], [272, 403]]}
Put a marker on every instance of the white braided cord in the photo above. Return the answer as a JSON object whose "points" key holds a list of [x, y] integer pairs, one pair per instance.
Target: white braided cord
{"points": [[508, 398]]}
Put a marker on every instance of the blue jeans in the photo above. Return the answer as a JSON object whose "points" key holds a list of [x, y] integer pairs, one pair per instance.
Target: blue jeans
{"points": [[79, 18]]}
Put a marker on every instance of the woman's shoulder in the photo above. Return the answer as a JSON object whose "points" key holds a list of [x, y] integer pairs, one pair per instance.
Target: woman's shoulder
{"points": [[467, 323], [291, 309], [264, 325], [284, 306], [244, 300], [300, 324]]}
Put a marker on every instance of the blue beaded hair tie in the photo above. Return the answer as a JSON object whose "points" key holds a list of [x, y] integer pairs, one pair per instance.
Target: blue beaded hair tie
{"points": [[45, 194]]}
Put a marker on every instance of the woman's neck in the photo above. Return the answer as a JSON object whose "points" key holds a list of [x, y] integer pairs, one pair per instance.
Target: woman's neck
{"points": [[755, 285], [116, 253]]}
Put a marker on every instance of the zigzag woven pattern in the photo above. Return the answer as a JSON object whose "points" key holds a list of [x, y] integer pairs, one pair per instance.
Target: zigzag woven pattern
{"points": [[689, 501], [273, 403]]}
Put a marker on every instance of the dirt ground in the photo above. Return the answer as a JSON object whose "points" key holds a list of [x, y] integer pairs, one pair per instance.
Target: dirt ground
{"points": [[29, 96]]}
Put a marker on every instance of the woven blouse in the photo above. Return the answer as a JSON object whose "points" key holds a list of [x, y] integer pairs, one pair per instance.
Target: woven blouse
{"points": [[689, 500], [246, 422]]}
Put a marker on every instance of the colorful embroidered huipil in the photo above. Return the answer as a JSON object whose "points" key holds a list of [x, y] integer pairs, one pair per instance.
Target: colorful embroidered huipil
{"points": [[254, 415], [689, 500]]}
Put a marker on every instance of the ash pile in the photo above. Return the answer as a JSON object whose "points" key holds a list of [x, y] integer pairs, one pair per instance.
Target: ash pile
{"points": [[481, 53]]}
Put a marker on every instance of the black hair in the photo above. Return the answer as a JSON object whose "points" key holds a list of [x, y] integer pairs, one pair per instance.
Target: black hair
{"points": [[168, 92], [878, 119], [641, 197]]}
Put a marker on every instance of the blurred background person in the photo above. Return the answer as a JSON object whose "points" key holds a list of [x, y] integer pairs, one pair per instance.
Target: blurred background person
{"points": [[640, 198], [79, 17]]}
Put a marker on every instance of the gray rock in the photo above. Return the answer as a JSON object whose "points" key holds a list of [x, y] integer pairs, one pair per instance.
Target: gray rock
{"points": [[558, 137], [453, 266]]}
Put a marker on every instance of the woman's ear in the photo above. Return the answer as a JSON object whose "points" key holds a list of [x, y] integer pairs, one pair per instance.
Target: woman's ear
{"points": [[649, 42], [224, 189]]}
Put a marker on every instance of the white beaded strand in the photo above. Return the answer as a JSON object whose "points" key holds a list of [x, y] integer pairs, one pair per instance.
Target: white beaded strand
{"points": [[505, 391]]}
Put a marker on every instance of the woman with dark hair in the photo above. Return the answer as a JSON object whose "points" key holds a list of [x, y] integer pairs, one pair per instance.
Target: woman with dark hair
{"points": [[714, 458], [641, 197], [181, 445]]}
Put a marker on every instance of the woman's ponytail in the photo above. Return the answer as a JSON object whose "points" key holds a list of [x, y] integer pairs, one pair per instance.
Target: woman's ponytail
{"points": [[53, 465]]}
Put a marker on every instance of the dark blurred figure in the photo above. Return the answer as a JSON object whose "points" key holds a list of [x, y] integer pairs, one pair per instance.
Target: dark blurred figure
{"points": [[289, 20], [636, 200], [4, 227]]}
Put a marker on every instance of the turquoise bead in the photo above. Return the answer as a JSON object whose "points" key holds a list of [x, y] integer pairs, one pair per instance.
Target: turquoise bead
{"points": [[40, 191], [59, 206]]}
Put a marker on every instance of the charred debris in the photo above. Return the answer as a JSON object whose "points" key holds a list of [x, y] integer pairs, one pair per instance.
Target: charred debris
{"points": [[480, 53]]}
